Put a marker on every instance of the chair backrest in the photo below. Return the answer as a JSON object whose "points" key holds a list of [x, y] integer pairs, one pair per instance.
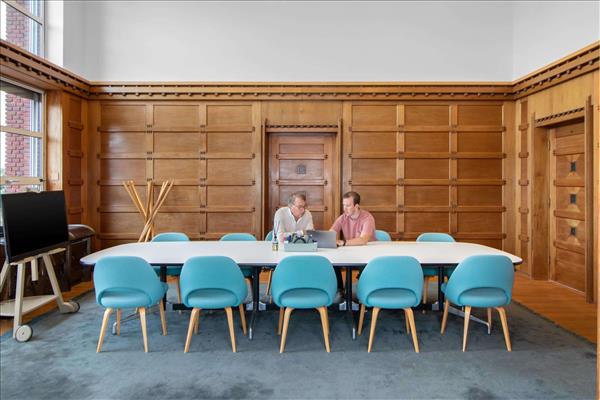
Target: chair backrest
{"points": [[391, 272], [126, 273], [171, 237], [237, 237], [303, 272], [212, 272], [482, 271], [382, 236], [435, 237], [269, 236]]}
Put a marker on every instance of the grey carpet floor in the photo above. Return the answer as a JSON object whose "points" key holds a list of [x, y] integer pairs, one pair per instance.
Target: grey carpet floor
{"points": [[60, 361]]}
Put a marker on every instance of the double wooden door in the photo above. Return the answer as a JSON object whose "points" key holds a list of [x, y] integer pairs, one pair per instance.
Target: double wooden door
{"points": [[302, 163], [568, 217]]}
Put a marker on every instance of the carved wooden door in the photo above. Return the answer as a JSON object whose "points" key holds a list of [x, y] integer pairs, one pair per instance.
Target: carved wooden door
{"points": [[302, 163]]}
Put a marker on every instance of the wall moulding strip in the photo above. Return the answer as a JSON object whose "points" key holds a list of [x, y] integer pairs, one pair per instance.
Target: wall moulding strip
{"points": [[20, 64], [23, 65]]}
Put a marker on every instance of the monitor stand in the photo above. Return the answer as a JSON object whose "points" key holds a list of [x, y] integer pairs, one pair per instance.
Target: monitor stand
{"points": [[22, 305]]}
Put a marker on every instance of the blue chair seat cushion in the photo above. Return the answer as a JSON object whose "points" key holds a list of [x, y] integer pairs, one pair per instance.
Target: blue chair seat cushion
{"points": [[480, 297], [126, 298], [211, 299], [392, 298], [172, 270], [304, 298]]}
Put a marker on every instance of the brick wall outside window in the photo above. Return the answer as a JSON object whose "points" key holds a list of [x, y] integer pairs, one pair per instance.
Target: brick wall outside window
{"points": [[18, 112]]}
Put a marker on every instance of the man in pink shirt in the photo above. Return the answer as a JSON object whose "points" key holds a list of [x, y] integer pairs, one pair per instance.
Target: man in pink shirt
{"points": [[356, 225]]}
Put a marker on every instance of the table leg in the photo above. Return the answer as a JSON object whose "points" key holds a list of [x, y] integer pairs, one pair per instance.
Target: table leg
{"points": [[255, 300], [440, 302], [163, 278], [349, 312]]}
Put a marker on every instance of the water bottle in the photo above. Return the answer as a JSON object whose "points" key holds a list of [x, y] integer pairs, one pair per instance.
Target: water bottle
{"points": [[275, 242]]}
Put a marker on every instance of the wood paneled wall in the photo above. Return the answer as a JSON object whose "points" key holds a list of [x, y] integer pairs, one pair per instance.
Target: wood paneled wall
{"points": [[66, 151], [421, 166], [429, 168], [211, 150], [556, 103]]}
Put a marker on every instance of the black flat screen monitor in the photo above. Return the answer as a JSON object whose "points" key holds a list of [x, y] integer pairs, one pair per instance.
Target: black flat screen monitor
{"points": [[33, 223]]}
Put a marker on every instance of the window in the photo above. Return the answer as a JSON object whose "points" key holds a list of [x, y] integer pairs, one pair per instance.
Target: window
{"points": [[22, 24], [21, 139]]}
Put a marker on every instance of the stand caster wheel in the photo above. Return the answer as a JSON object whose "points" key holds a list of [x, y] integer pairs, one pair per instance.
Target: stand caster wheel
{"points": [[23, 333], [75, 305]]}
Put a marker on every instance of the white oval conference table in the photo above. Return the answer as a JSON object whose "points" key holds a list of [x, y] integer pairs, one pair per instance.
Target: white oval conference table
{"points": [[259, 255]]}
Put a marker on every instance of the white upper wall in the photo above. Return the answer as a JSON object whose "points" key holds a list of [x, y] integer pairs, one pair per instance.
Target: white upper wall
{"points": [[547, 31], [325, 41], [297, 41]]}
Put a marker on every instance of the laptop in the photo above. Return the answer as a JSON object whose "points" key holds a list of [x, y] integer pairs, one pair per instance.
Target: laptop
{"points": [[324, 239]]}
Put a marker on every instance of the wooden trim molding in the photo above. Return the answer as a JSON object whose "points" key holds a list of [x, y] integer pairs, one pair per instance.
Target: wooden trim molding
{"points": [[304, 91], [25, 66], [558, 118], [575, 64]]}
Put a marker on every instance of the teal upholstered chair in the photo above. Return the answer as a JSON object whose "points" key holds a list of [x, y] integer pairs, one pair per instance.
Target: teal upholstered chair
{"points": [[240, 237], [269, 236], [430, 273], [390, 282], [172, 270], [303, 282], [382, 236], [212, 282], [127, 282], [481, 281]]}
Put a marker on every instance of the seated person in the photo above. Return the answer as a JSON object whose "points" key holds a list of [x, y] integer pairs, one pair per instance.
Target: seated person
{"points": [[356, 225], [294, 218]]}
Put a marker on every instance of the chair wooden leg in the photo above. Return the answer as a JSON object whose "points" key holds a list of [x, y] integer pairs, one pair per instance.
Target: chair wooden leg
{"points": [[286, 322], [118, 321], [191, 327], [243, 318], [268, 291], [502, 313], [103, 328], [361, 319], [410, 316], [489, 319], [407, 324], [231, 330], [163, 320], [143, 323], [323, 313], [197, 322], [281, 310], [445, 316], [374, 315], [466, 329]]}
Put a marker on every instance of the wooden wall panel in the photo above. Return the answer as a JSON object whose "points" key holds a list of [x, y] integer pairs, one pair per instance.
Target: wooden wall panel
{"points": [[553, 104], [436, 167], [212, 151], [66, 152]]}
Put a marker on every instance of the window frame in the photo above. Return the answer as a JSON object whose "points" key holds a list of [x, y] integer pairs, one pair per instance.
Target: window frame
{"points": [[40, 20], [29, 180]]}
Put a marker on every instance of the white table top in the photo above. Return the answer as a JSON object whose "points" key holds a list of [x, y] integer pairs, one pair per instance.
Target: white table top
{"points": [[260, 254]]}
